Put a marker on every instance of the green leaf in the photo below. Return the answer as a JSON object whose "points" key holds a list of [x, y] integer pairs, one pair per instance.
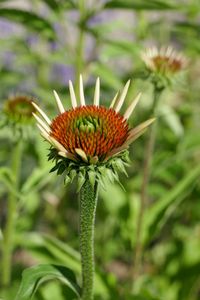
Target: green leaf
{"points": [[5, 173], [53, 4], [158, 215], [172, 119], [30, 20], [36, 178], [51, 250], [33, 277], [140, 5]]}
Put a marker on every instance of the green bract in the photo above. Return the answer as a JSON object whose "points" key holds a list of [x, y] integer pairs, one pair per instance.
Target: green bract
{"points": [[102, 172]]}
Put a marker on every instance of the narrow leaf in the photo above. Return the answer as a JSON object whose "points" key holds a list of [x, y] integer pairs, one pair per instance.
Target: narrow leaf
{"points": [[33, 277], [30, 20]]}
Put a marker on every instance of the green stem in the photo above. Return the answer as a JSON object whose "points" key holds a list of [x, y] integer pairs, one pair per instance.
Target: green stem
{"points": [[144, 189], [8, 235], [88, 203], [79, 63]]}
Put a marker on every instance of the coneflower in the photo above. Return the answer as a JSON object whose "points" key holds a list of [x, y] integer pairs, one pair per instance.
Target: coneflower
{"points": [[89, 141], [16, 116], [90, 134], [165, 60], [164, 65], [19, 108]]}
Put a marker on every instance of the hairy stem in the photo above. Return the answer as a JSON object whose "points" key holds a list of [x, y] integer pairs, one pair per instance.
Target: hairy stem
{"points": [[8, 236], [144, 189], [88, 203]]}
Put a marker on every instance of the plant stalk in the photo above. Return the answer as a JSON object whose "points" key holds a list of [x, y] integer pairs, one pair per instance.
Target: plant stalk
{"points": [[144, 189], [88, 203], [9, 232], [79, 63]]}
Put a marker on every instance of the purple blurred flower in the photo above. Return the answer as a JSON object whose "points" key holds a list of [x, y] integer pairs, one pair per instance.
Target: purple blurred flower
{"points": [[32, 40], [62, 73], [8, 28]]}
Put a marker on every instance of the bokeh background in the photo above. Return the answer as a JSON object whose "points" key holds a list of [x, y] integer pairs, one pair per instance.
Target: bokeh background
{"points": [[43, 44]]}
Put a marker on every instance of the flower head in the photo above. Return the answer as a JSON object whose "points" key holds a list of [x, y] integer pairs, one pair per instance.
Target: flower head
{"points": [[89, 135], [164, 63], [20, 108], [17, 115], [165, 60]]}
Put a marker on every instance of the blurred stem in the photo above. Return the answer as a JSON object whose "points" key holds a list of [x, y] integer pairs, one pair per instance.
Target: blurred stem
{"points": [[79, 63], [88, 203], [144, 189], [9, 231]]}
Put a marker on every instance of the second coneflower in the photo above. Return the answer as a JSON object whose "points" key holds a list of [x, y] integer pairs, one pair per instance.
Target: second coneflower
{"points": [[165, 60], [89, 141], [163, 65]]}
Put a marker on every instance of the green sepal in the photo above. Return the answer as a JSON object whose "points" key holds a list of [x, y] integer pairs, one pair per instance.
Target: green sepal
{"points": [[103, 172], [67, 180], [92, 177], [72, 174], [81, 181]]}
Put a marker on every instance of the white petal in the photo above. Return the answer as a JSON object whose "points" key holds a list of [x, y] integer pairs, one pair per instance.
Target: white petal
{"points": [[122, 96], [132, 107], [162, 51], [42, 123], [63, 154], [45, 137], [114, 100], [116, 151], [134, 134], [72, 95], [44, 133], [97, 92], [42, 113], [67, 155], [57, 144], [137, 131], [81, 91], [154, 51], [59, 103], [82, 154], [169, 51]]}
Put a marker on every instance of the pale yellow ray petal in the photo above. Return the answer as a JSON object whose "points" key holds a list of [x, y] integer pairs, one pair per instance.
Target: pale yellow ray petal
{"points": [[134, 134], [72, 95], [67, 155], [57, 144], [42, 123], [122, 97], [97, 92], [41, 113], [59, 103], [82, 154], [81, 91], [114, 100], [44, 133], [132, 106], [137, 131]]}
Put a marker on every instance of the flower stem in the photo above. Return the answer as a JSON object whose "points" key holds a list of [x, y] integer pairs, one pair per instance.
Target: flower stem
{"points": [[8, 235], [79, 64], [144, 190], [88, 203]]}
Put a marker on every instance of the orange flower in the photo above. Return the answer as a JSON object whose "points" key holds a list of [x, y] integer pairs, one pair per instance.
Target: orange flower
{"points": [[90, 133]]}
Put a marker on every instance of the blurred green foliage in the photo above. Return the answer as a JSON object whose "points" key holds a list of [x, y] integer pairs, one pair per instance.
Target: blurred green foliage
{"points": [[43, 45]]}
